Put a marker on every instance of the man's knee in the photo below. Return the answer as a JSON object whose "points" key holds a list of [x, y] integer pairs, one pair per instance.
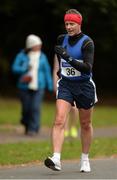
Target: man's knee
{"points": [[86, 125], [59, 122]]}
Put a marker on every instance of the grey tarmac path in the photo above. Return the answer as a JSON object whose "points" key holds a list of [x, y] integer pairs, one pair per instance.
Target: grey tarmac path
{"points": [[16, 134], [101, 169]]}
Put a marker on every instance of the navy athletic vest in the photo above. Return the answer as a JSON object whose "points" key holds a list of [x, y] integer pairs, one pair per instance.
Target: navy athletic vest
{"points": [[67, 71]]}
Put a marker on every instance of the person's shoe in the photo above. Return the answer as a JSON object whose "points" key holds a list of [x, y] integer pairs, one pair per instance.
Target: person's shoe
{"points": [[53, 164], [85, 166], [74, 132]]}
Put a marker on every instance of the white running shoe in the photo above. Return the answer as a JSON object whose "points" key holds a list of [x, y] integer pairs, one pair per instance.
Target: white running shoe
{"points": [[53, 164], [85, 166]]}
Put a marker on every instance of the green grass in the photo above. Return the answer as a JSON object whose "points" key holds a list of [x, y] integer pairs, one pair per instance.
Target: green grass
{"points": [[10, 113], [101, 147], [27, 152], [105, 116]]}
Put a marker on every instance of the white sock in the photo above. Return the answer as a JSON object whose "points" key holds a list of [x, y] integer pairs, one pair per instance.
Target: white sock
{"points": [[56, 156], [84, 156]]}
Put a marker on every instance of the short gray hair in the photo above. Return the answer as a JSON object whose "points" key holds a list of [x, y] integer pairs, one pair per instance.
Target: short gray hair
{"points": [[73, 11]]}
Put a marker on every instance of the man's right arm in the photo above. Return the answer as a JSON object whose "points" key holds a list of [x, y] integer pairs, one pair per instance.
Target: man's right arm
{"points": [[55, 72], [56, 67]]}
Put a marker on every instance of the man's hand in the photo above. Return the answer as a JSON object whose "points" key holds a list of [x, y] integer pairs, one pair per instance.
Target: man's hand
{"points": [[62, 52]]}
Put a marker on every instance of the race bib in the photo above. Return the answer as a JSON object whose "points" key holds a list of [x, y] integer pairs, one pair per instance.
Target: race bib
{"points": [[67, 70]]}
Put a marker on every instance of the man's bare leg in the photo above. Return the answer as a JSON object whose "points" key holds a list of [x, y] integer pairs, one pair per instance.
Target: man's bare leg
{"points": [[86, 137], [62, 110]]}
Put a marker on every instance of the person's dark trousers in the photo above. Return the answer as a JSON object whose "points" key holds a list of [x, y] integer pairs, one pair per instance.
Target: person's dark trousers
{"points": [[31, 105]]}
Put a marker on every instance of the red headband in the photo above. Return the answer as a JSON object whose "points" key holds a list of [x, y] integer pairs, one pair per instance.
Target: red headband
{"points": [[73, 17]]}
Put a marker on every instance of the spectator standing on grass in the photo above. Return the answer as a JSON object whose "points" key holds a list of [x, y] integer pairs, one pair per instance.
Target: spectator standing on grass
{"points": [[34, 76], [76, 54]]}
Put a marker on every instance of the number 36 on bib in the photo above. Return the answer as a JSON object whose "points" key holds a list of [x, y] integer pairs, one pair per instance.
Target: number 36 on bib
{"points": [[67, 70]]}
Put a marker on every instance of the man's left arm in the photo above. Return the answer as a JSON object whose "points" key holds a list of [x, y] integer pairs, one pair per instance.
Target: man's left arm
{"points": [[88, 56]]}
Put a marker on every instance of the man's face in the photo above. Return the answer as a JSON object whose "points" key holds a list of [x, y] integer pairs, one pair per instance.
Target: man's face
{"points": [[72, 28]]}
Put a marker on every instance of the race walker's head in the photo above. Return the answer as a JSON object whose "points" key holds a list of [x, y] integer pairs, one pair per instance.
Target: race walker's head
{"points": [[73, 21]]}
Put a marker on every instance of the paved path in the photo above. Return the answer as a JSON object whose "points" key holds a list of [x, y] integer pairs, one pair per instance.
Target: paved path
{"points": [[101, 169], [15, 134]]}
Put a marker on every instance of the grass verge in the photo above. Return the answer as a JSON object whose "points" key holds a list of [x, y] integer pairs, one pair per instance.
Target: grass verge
{"points": [[10, 114], [27, 152]]}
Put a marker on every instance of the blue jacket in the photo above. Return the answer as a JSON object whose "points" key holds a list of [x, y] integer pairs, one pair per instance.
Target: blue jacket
{"points": [[20, 67]]}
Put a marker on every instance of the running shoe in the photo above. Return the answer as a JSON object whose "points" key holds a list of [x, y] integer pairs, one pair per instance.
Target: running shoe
{"points": [[85, 166], [53, 164]]}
